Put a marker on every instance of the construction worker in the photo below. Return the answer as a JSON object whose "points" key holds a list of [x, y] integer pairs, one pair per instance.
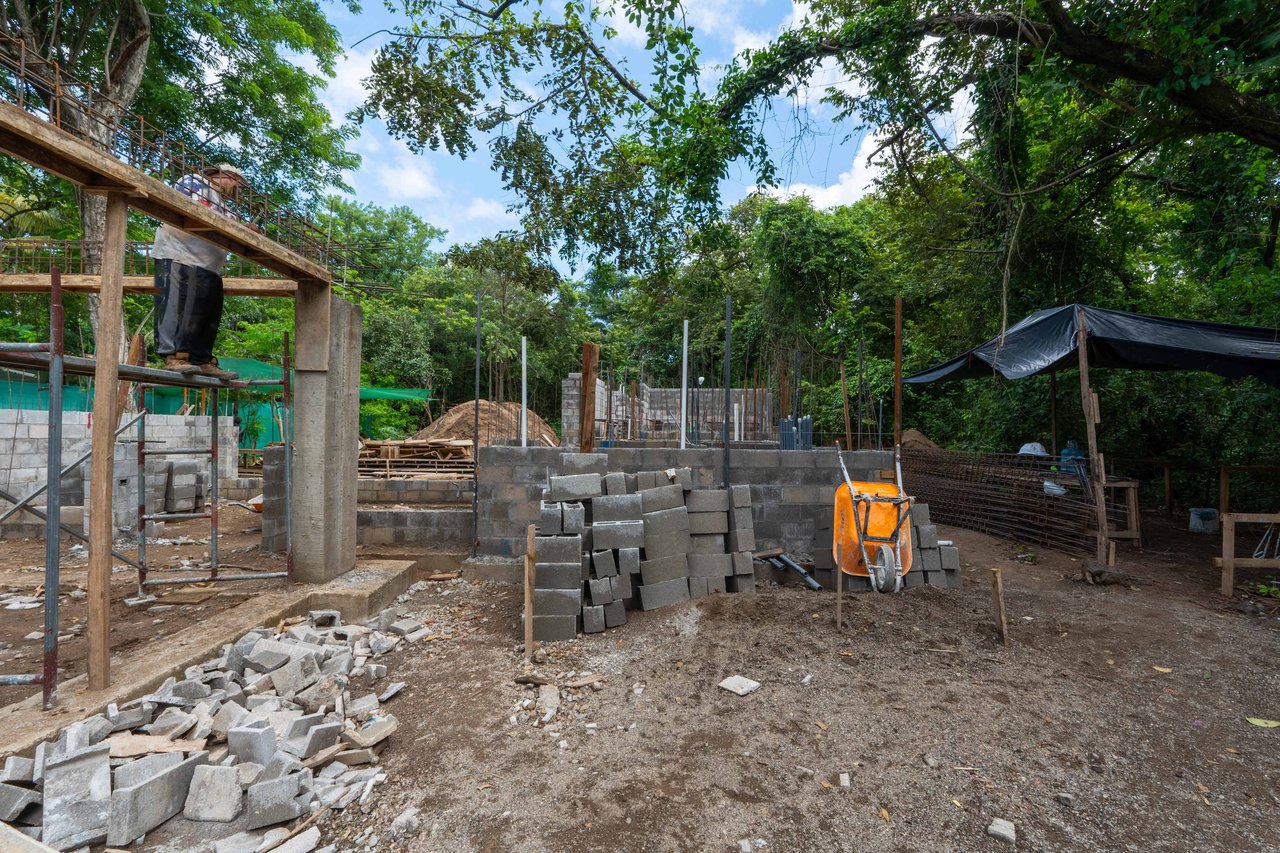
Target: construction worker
{"points": [[188, 279]]}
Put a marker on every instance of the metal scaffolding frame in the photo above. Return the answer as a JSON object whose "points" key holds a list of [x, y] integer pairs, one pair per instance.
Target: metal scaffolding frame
{"points": [[51, 358]]}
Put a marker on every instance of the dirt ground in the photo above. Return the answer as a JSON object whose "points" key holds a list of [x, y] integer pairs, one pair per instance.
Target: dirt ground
{"points": [[1114, 720]]}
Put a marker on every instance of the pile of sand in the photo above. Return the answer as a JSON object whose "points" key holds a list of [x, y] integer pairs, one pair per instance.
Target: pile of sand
{"points": [[498, 422], [916, 440]]}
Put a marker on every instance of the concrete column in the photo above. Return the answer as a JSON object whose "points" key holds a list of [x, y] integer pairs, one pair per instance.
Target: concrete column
{"points": [[325, 435]]}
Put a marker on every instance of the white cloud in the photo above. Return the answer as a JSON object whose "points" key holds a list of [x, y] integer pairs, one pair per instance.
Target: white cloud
{"points": [[490, 210], [405, 176], [854, 183], [628, 33]]}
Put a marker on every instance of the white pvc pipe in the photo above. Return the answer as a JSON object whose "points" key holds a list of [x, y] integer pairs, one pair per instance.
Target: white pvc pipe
{"points": [[524, 391], [684, 381], [737, 424]]}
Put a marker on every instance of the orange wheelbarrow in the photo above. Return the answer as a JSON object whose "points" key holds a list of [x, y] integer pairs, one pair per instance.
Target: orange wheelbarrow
{"points": [[873, 529]]}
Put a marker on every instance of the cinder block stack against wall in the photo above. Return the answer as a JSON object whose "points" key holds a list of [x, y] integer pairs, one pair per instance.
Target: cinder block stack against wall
{"points": [[932, 564], [609, 542]]}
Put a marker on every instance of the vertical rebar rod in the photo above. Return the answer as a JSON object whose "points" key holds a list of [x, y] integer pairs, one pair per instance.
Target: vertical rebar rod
{"points": [[53, 501], [475, 446], [142, 490], [213, 488], [286, 427], [684, 382], [524, 391], [728, 341]]}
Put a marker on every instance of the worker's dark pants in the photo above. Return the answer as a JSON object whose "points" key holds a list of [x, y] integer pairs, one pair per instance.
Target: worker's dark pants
{"points": [[188, 310]]}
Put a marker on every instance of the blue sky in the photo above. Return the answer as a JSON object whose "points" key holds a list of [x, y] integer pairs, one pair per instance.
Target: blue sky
{"points": [[466, 197]]}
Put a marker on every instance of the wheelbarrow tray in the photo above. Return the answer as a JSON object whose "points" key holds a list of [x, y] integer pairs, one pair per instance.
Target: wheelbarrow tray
{"points": [[884, 520]]}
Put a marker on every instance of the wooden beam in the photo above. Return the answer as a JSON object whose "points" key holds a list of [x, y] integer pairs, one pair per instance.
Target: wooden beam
{"points": [[1095, 461], [31, 138], [39, 283], [587, 420], [102, 474]]}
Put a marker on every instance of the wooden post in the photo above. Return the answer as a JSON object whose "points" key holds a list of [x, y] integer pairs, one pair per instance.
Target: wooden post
{"points": [[137, 356], [1053, 414], [844, 393], [587, 419], [897, 371], [530, 577], [102, 474], [1228, 555], [997, 601], [1095, 462]]}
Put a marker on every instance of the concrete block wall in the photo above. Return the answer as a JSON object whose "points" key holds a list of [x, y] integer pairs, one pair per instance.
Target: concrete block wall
{"points": [[790, 489], [379, 491], [274, 508], [440, 530]]}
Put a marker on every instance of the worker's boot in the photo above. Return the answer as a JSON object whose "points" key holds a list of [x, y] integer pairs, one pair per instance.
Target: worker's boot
{"points": [[179, 363], [212, 369]]}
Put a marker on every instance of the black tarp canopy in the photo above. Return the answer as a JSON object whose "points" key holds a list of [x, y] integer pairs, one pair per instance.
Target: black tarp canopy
{"points": [[1046, 341]]}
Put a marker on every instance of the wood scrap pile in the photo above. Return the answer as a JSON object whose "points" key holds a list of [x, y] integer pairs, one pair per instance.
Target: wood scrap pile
{"points": [[417, 458]]}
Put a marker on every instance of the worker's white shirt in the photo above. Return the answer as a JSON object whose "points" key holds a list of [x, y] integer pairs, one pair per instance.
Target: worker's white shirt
{"points": [[176, 245]]}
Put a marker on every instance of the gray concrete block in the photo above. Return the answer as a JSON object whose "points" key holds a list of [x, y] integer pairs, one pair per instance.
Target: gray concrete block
{"points": [[950, 558], [575, 487], [17, 769], [702, 523], [666, 545], [740, 518], [617, 508], [684, 478], [558, 575], [741, 540], [710, 566], [931, 559], [584, 463], [698, 587], [661, 498], [621, 586], [140, 769], [646, 480], [586, 567], [574, 519], [743, 564], [707, 500], [557, 602], [665, 594], [138, 810], [604, 564], [632, 483], [618, 534], [275, 801], [615, 614], [601, 590], [14, 800], [593, 619], [928, 535], [550, 519], [215, 794], [615, 484], [549, 629], [628, 560], [663, 569], [740, 496], [715, 585], [77, 799], [666, 522], [711, 543], [255, 742], [920, 513], [740, 583], [913, 579], [558, 549]]}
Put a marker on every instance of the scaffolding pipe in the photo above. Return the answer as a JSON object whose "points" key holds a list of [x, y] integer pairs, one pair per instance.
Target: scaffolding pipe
{"points": [[142, 490], [728, 341], [53, 503], [287, 440], [213, 489]]}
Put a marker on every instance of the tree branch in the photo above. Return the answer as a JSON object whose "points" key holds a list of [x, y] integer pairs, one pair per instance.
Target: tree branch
{"points": [[491, 15]]}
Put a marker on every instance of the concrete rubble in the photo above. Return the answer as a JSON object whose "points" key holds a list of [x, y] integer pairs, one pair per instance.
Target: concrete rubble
{"points": [[613, 542], [281, 725]]}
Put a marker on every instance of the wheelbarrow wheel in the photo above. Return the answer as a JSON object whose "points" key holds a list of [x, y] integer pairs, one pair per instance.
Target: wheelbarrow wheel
{"points": [[885, 571]]}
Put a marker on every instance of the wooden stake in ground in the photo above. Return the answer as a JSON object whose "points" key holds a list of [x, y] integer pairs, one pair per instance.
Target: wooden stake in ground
{"points": [[997, 601], [530, 571], [587, 418], [102, 475]]}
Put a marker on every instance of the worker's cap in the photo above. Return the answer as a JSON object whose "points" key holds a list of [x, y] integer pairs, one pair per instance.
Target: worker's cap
{"points": [[227, 169]]}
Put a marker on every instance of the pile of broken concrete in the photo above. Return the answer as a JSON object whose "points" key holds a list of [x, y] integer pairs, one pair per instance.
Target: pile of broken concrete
{"points": [[268, 732]]}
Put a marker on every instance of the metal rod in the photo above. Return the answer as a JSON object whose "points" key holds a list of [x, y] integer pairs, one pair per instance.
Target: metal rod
{"points": [[14, 680], [53, 503], [142, 489], [65, 528], [180, 451], [174, 516], [684, 382], [219, 578], [524, 391], [287, 439], [67, 469], [897, 370], [213, 489], [475, 445], [728, 342], [13, 346]]}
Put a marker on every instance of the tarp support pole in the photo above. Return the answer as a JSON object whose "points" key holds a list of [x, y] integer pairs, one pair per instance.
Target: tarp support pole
{"points": [[1095, 462], [684, 381], [897, 371]]}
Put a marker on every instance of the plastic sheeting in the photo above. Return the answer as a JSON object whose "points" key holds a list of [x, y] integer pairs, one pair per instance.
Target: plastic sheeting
{"points": [[1046, 341]]}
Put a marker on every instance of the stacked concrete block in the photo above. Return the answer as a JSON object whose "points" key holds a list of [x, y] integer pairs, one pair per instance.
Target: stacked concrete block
{"points": [[932, 563], [270, 731], [274, 509], [558, 578]]}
